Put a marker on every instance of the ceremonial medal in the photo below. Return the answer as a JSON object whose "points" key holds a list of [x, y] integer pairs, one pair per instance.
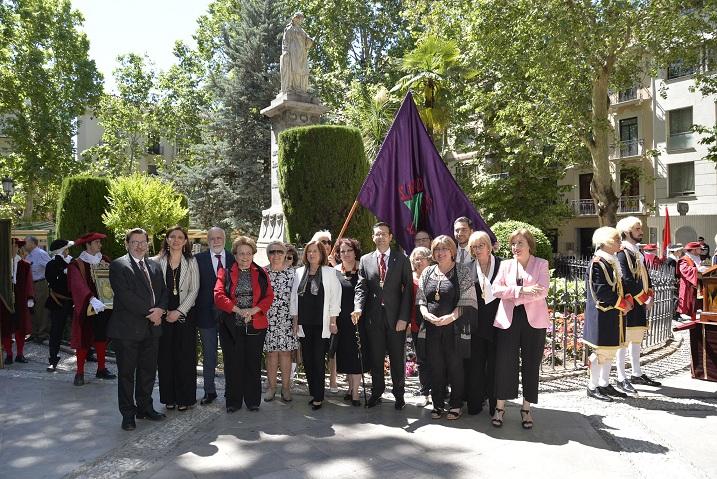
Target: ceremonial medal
{"points": [[380, 283], [437, 296]]}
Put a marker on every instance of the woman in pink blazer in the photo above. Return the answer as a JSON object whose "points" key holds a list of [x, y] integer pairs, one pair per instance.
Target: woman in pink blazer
{"points": [[522, 285]]}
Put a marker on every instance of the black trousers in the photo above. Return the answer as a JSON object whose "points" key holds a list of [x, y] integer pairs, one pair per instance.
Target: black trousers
{"points": [[313, 353], [382, 338], [480, 374], [242, 364], [58, 319], [518, 347], [424, 366], [446, 366], [177, 366], [136, 371]]}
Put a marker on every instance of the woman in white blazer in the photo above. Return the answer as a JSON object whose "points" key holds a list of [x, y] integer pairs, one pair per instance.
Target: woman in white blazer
{"points": [[314, 306], [177, 357]]}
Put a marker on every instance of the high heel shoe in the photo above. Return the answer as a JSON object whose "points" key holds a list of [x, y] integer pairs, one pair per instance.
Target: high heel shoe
{"points": [[496, 420], [315, 406], [270, 393], [526, 423], [286, 395]]}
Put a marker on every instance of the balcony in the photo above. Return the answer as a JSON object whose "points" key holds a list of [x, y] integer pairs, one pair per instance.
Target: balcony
{"points": [[681, 141], [630, 96], [625, 205], [627, 149]]}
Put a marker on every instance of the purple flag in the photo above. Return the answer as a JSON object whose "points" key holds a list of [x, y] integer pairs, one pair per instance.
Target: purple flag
{"points": [[409, 186]]}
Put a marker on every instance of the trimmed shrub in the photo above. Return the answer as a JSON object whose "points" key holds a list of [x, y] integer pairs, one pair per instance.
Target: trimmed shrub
{"points": [[321, 169], [79, 210], [503, 230]]}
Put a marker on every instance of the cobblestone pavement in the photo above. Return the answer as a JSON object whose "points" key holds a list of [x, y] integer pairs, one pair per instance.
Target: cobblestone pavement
{"points": [[49, 428]]}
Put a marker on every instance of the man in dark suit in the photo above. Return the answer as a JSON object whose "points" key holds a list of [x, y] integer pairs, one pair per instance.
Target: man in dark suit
{"points": [[383, 295], [140, 302], [209, 262]]}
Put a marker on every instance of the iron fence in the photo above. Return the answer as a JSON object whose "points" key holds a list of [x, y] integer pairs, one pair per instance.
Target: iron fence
{"points": [[564, 349]]}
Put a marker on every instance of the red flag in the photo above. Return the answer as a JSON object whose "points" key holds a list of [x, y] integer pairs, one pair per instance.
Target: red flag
{"points": [[666, 237]]}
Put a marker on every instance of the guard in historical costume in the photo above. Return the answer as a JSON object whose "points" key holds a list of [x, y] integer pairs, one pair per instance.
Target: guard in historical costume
{"points": [[59, 299], [606, 305], [90, 316], [636, 282], [687, 268], [18, 323]]}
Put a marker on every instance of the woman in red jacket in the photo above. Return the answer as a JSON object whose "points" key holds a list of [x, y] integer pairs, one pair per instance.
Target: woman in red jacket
{"points": [[244, 296]]}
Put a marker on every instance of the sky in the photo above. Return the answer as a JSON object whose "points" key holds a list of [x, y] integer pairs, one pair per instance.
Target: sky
{"points": [[114, 27]]}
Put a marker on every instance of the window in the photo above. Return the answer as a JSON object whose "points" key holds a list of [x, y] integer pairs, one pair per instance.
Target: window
{"points": [[628, 137], [627, 95], [680, 69], [630, 182], [681, 178], [680, 124]]}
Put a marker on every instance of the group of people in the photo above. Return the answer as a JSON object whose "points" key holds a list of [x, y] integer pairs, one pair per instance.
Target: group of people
{"points": [[477, 321]]}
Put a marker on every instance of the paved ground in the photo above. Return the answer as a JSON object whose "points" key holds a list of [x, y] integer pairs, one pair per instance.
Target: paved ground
{"points": [[49, 428]]}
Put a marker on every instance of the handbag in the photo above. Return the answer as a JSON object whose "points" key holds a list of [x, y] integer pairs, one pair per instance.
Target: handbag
{"points": [[333, 345]]}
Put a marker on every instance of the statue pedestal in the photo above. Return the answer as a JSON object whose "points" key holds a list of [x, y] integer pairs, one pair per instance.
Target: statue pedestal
{"points": [[287, 110]]}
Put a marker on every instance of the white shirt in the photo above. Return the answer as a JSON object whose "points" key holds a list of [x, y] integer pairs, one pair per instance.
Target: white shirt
{"points": [[215, 260]]}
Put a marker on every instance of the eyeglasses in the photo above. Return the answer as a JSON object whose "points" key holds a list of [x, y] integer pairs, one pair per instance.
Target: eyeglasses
{"points": [[276, 251], [325, 241], [138, 243], [290, 257]]}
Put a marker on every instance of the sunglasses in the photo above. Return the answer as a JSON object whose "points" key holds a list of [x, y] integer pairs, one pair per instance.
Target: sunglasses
{"points": [[277, 251], [325, 242]]}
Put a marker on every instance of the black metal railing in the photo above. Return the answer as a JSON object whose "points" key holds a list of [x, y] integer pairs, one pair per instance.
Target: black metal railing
{"points": [[564, 349]]}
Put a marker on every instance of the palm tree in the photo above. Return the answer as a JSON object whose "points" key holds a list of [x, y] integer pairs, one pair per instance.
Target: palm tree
{"points": [[428, 68]]}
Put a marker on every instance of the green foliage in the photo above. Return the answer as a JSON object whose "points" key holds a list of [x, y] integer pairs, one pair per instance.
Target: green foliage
{"points": [[504, 229], [371, 109], [566, 293], [80, 208], [46, 80], [142, 201], [332, 161]]}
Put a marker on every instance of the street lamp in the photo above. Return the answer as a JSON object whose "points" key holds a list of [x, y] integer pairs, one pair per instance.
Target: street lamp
{"points": [[8, 189]]}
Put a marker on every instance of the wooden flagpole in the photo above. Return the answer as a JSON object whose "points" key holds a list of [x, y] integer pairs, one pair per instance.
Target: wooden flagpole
{"points": [[345, 226]]}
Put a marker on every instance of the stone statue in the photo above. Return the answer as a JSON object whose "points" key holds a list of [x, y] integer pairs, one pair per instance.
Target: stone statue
{"points": [[294, 62]]}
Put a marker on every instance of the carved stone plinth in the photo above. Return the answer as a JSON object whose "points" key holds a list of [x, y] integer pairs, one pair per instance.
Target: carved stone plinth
{"points": [[287, 110]]}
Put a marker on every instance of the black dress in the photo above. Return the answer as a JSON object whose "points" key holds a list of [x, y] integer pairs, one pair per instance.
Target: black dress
{"points": [[177, 366], [347, 358]]}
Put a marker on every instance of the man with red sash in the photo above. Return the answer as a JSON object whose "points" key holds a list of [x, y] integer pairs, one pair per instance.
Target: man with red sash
{"points": [[687, 268], [88, 329], [19, 323], [636, 282]]}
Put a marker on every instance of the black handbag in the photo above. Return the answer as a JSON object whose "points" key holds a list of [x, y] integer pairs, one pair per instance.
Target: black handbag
{"points": [[333, 345]]}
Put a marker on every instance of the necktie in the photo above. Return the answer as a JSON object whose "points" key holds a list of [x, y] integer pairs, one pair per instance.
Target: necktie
{"points": [[219, 262], [146, 278], [382, 268], [462, 256]]}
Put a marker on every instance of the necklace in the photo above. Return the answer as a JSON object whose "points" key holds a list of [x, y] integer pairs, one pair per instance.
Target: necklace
{"points": [[484, 279], [175, 279]]}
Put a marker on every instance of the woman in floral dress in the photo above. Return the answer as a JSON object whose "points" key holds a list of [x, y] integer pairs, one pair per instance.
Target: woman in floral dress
{"points": [[280, 339]]}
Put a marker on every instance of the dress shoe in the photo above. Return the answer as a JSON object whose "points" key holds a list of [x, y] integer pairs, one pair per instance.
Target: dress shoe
{"points": [[128, 423], [152, 415], [8, 359], [270, 394], [105, 374], [208, 399], [597, 394], [20, 359], [400, 403], [355, 402], [315, 406], [644, 380], [625, 387], [51, 368], [373, 401], [612, 392], [231, 409], [79, 380]]}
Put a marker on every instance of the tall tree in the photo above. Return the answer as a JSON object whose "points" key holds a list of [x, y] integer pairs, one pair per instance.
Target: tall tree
{"points": [[129, 119], [46, 81], [552, 71], [234, 164]]}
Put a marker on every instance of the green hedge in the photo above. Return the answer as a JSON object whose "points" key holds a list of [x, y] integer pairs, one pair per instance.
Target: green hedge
{"points": [[321, 169], [503, 230], [79, 210]]}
